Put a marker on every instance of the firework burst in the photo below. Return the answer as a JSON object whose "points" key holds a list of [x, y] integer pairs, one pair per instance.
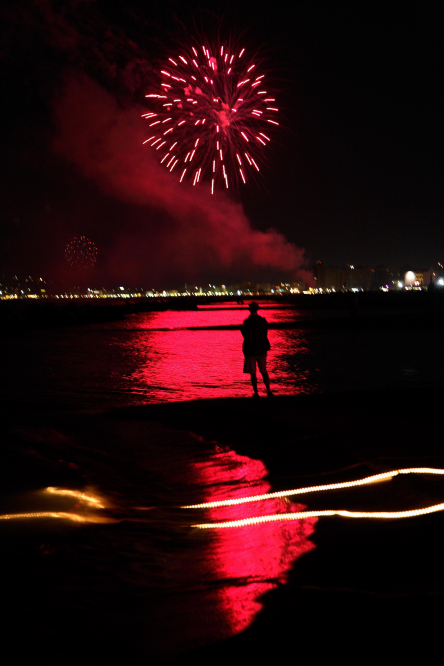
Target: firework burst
{"points": [[81, 253], [213, 116]]}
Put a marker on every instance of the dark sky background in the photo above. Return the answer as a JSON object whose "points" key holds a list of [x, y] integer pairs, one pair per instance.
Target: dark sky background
{"points": [[354, 174]]}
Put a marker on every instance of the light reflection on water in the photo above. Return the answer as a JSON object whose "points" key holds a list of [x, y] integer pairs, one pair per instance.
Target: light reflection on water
{"points": [[177, 360], [259, 559], [151, 357], [176, 587], [207, 585], [170, 356], [227, 315], [187, 365]]}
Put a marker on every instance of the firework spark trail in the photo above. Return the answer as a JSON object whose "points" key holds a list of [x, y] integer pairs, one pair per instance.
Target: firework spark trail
{"points": [[205, 232], [81, 253], [214, 116]]}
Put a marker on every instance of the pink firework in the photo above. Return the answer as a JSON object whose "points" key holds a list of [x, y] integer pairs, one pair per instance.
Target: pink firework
{"points": [[81, 253], [215, 116]]}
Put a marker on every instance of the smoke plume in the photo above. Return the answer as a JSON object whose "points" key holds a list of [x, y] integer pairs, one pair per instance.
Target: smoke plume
{"points": [[201, 232]]}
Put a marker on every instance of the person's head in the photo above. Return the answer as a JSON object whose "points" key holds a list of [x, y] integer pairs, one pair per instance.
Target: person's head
{"points": [[253, 307]]}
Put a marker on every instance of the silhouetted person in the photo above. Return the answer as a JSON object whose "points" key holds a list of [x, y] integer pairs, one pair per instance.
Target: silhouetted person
{"points": [[255, 347]]}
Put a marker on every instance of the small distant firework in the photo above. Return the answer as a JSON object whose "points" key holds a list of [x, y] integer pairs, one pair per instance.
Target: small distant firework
{"points": [[81, 253], [215, 117]]}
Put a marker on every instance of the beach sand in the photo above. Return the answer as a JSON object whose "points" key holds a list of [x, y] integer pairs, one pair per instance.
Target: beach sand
{"points": [[368, 588]]}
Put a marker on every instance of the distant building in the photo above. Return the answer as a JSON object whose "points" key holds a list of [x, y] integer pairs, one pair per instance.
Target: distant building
{"points": [[418, 279], [246, 287], [299, 286], [328, 278], [360, 277], [382, 278], [437, 274]]}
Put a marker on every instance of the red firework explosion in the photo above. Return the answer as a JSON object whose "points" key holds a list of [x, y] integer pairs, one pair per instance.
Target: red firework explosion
{"points": [[81, 253], [213, 118]]}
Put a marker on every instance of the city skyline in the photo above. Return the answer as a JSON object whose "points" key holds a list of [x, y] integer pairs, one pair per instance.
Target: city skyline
{"points": [[324, 279]]}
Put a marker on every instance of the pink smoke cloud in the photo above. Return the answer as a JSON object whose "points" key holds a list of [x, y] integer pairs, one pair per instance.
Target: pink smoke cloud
{"points": [[105, 141]]}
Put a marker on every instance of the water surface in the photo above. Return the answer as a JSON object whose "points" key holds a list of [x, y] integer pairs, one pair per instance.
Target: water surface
{"points": [[171, 356]]}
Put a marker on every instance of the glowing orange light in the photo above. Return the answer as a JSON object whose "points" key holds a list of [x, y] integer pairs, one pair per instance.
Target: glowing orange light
{"points": [[317, 514], [64, 515], [43, 514], [376, 478], [77, 495]]}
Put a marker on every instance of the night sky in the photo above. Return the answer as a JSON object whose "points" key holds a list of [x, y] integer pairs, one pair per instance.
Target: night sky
{"points": [[354, 173]]}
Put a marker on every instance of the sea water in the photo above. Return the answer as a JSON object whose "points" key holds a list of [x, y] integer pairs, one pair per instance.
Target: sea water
{"points": [[191, 355], [135, 578]]}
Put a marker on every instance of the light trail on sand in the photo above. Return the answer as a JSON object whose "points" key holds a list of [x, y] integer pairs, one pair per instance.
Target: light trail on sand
{"points": [[377, 478], [254, 520], [301, 515], [64, 515], [77, 495]]}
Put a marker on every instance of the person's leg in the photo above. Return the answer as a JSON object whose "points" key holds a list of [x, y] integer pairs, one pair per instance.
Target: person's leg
{"points": [[254, 383], [262, 363], [266, 378], [250, 367], [254, 377]]}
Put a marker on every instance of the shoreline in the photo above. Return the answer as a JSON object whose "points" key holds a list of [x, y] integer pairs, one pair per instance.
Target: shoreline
{"points": [[361, 573], [324, 311]]}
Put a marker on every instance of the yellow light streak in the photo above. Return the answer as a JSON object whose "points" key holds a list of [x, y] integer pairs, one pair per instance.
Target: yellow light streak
{"points": [[93, 501], [45, 514], [64, 515], [77, 495], [386, 476], [316, 514]]}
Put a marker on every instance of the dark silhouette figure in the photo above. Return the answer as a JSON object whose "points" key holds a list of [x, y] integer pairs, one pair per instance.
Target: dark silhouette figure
{"points": [[255, 348]]}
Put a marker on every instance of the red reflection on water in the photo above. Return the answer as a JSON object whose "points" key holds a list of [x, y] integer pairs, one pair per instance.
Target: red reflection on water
{"points": [[252, 560], [185, 364], [206, 316]]}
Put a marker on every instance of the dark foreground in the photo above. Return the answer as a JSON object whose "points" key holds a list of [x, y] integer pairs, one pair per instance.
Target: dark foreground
{"points": [[371, 588]]}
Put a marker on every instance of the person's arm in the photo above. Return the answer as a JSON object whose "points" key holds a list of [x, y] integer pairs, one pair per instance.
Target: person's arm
{"points": [[244, 329]]}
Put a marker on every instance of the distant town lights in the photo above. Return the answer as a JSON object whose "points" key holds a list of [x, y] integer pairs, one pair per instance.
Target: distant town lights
{"points": [[410, 278]]}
